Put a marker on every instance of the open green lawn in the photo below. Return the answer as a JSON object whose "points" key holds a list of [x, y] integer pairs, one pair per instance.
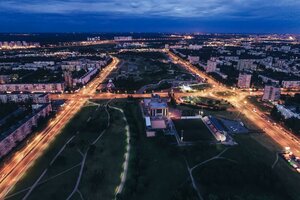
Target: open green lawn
{"points": [[193, 130], [104, 166], [200, 87], [101, 174], [225, 94], [157, 166], [152, 166], [157, 169], [250, 176]]}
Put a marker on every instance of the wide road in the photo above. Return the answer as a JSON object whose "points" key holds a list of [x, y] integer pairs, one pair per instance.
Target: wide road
{"points": [[15, 167], [278, 133], [18, 164]]}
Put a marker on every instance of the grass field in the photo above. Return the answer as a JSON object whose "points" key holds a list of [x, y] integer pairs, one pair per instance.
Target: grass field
{"points": [[200, 87], [225, 94], [153, 165], [250, 176], [156, 168], [193, 130], [101, 174]]}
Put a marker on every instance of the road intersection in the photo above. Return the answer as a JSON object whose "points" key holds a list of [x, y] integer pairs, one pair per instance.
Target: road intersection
{"points": [[16, 166]]}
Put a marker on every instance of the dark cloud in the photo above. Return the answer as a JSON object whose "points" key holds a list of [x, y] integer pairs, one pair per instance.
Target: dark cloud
{"points": [[161, 15]]}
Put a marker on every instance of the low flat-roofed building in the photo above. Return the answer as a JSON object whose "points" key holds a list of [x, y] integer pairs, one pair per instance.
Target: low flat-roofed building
{"points": [[158, 124]]}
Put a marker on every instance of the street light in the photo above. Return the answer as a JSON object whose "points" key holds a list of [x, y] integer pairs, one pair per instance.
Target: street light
{"points": [[181, 138]]}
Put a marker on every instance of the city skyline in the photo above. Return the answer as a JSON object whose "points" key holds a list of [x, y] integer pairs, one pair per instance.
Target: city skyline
{"points": [[80, 112], [150, 16], [150, 99]]}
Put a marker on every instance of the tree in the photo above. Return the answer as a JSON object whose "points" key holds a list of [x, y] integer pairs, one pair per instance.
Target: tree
{"points": [[294, 124], [91, 150], [213, 197], [275, 114], [173, 102], [96, 179]]}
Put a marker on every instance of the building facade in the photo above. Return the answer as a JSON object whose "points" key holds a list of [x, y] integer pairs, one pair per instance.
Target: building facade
{"points": [[246, 64], [244, 80], [86, 77], [33, 87], [271, 93], [193, 59], [16, 134], [211, 65], [21, 97], [291, 84], [122, 38], [156, 107]]}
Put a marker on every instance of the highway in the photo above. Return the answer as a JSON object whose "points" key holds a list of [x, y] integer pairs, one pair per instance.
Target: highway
{"points": [[17, 165], [278, 133]]}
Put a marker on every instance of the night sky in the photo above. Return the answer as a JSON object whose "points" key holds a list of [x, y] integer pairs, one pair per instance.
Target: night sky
{"points": [[224, 16]]}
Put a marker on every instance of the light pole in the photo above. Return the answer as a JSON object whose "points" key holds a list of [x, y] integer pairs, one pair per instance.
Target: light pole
{"points": [[181, 138]]}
